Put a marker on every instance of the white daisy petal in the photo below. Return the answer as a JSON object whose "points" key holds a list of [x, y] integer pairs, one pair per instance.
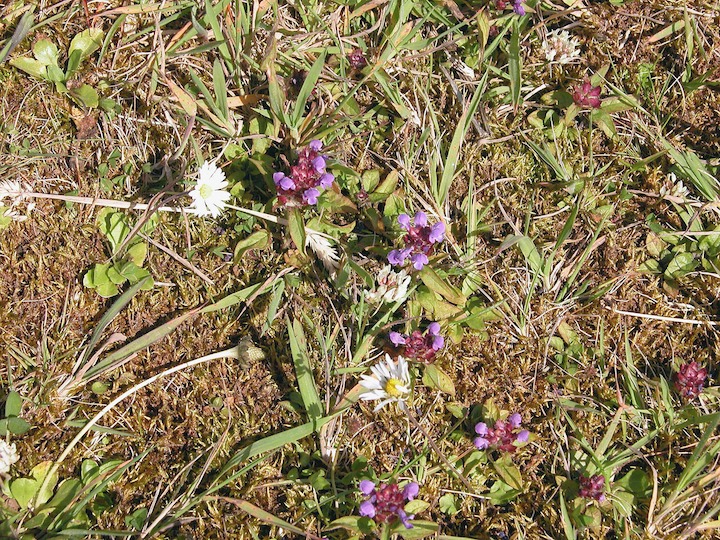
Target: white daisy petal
{"points": [[209, 195]]}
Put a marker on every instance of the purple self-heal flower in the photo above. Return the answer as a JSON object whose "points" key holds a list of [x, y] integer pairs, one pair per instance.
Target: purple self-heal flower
{"points": [[310, 196], [420, 239], [437, 232], [593, 487], [411, 491], [319, 164], [326, 180], [419, 261], [385, 503], [518, 7], [397, 257], [307, 177], [367, 487], [481, 443], [502, 436], [418, 346], [367, 509]]}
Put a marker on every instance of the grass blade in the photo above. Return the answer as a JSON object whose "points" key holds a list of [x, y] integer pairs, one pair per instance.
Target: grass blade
{"points": [[303, 370]]}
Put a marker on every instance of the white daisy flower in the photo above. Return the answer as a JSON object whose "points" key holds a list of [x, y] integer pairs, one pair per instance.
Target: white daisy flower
{"points": [[560, 47], [209, 195], [676, 189], [391, 286], [323, 249], [389, 382], [8, 456]]}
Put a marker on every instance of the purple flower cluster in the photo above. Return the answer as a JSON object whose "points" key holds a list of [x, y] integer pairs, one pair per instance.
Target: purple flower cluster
{"points": [[593, 487], [356, 58], [418, 346], [690, 380], [587, 95], [502, 435], [386, 502], [420, 240], [516, 4], [306, 179]]}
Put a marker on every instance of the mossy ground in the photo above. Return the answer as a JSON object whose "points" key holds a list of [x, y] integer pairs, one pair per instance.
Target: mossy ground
{"points": [[405, 107]]}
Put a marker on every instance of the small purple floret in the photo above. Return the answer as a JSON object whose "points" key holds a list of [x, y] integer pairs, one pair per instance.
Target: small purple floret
{"points": [[367, 487], [396, 338], [411, 491], [404, 221]]}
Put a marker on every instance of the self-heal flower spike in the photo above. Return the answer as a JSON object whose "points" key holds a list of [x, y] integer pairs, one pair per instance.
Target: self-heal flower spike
{"points": [[587, 95], [389, 382], [420, 240], [593, 487], [385, 503], [419, 346], [690, 380], [307, 178], [502, 436], [209, 195]]}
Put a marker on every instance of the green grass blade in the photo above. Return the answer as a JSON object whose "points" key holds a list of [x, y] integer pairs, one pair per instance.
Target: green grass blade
{"points": [[303, 370], [310, 81], [515, 66]]}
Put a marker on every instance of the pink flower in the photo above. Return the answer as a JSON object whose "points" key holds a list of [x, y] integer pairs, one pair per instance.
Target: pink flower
{"points": [[587, 95], [420, 240], [502, 436], [690, 380], [386, 503], [593, 487]]}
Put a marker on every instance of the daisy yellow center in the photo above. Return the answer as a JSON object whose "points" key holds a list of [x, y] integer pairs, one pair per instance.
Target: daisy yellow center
{"points": [[393, 388], [205, 191]]}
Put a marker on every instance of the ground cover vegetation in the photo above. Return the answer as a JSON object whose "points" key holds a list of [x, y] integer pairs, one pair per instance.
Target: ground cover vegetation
{"points": [[366, 268]]}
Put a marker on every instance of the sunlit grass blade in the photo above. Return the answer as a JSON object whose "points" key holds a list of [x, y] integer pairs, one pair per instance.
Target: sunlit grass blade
{"points": [[303, 370]]}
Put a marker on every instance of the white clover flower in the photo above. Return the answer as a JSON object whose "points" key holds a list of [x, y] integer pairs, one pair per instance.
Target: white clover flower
{"points": [[8, 456], [209, 195], [323, 249], [389, 382], [391, 286], [560, 47], [677, 189]]}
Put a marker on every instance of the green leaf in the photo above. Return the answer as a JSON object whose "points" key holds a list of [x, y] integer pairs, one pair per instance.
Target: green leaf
{"points": [[636, 481], [303, 370], [107, 290], [354, 523], [114, 274], [297, 229], [23, 490], [114, 225], [515, 66], [31, 67], [448, 504], [435, 283], [46, 52], [421, 529], [509, 473], [86, 42], [137, 519], [66, 493], [137, 253], [39, 472], [416, 506], [85, 96], [89, 469], [15, 425], [436, 378], [682, 264], [13, 404], [133, 273], [257, 240], [306, 90]]}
